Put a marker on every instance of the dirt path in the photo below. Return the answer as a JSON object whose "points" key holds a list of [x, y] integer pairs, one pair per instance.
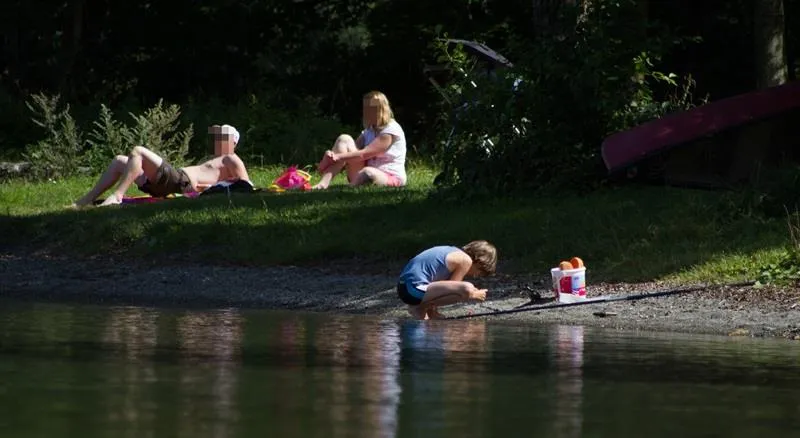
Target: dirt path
{"points": [[370, 290]]}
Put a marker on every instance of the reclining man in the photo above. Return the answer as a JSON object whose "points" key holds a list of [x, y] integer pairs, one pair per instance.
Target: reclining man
{"points": [[153, 175]]}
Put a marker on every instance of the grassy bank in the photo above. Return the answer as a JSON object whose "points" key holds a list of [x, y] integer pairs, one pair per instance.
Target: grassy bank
{"points": [[624, 234]]}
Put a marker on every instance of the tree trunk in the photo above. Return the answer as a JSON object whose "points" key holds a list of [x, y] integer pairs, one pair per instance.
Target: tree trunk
{"points": [[770, 56]]}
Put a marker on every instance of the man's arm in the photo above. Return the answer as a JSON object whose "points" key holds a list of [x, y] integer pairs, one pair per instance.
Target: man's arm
{"points": [[235, 167]]}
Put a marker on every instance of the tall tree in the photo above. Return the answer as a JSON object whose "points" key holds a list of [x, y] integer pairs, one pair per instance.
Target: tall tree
{"points": [[770, 56]]}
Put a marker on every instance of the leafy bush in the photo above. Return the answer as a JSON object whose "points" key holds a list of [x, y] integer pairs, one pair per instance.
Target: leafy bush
{"points": [[108, 138], [786, 270], [158, 128], [540, 123]]}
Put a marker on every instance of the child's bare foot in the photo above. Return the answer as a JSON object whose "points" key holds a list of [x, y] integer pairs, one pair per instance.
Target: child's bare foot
{"points": [[417, 312], [433, 313], [111, 200], [320, 186]]}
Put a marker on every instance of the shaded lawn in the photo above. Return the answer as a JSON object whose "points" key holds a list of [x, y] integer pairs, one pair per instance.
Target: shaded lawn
{"points": [[633, 233]]}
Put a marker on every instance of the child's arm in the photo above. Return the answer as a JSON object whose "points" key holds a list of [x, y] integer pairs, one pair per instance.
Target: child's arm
{"points": [[378, 146], [459, 263]]}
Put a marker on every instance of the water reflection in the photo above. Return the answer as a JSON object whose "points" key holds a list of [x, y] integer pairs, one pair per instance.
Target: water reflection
{"points": [[133, 332], [444, 369], [205, 346], [129, 371], [211, 344], [568, 358], [363, 389]]}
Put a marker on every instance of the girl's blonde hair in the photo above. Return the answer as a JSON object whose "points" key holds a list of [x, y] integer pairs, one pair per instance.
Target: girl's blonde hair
{"points": [[385, 114]]}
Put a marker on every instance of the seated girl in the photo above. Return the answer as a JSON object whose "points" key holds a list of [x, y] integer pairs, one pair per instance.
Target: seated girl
{"points": [[377, 156]]}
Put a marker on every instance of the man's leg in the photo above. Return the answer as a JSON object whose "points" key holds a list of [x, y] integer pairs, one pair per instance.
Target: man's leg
{"points": [[109, 177], [344, 143], [443, 293], [140, 161]]}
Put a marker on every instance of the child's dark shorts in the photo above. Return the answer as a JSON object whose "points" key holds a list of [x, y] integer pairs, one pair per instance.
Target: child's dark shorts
{"points": [[409, 294]]}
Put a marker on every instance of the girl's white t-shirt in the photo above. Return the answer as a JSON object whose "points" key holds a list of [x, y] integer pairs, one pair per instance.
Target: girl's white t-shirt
{"points": [[394, 159]]}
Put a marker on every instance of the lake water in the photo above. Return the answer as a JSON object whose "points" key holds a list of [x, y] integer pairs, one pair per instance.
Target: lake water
{"points": [[90, 371]]}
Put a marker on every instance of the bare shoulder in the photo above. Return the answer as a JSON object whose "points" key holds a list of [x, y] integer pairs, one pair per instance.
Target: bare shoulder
{"points": [[458, 258], [231, 157]]}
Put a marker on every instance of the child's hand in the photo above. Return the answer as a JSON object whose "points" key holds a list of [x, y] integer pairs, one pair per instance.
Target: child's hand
{"points": [[478, 294]]}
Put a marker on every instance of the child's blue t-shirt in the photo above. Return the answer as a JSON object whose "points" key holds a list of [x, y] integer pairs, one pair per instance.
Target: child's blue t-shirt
{"points": [[428, 266]]}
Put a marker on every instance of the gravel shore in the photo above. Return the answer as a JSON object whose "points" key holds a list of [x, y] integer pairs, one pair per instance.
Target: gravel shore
{"points": [[351, 287]]}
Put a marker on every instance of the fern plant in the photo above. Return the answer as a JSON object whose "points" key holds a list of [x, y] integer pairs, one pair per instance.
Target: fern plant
{"points": [[157, 129], [59, 153], [62, 152]]}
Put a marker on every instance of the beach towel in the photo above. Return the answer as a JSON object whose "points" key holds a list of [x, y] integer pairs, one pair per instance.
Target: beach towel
{"points": [[226, 187], [147, 199]]}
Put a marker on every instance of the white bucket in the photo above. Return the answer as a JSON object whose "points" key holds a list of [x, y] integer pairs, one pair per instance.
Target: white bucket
{"points": [[569, 285]]}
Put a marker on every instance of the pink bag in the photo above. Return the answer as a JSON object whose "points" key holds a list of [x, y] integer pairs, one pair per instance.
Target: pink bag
{"points": [[291, 179]]}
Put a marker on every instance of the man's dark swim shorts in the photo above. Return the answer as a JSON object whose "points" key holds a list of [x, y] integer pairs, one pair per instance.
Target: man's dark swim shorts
{"points": [[168, 180]]}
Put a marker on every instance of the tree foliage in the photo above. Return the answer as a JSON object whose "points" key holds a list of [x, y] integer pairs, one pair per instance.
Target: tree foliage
{"points": [[290, 74]]}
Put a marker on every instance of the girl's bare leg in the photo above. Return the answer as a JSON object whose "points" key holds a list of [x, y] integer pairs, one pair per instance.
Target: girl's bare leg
{"points": [[344, 143], [370, 175]]}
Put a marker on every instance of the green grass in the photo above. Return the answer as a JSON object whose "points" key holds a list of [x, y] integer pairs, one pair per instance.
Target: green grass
{"points": [[633, 233]]}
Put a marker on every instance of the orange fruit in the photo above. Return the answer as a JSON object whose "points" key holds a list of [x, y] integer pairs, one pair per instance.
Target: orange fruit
{"points": [[565, 265], [576, 262]]}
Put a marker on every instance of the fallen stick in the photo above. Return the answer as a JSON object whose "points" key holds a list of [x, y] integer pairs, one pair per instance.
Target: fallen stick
{"points": [[604, 299]]}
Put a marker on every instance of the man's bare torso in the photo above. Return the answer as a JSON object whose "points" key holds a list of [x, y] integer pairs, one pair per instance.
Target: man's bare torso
{"points": [[207, 174]]}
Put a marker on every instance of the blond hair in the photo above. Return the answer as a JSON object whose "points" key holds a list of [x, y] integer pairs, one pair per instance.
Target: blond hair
{"points": [[385, 114], [483, 255]]}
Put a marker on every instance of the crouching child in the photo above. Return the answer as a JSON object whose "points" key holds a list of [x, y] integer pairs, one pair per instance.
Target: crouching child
{"points": [[435, 277]]}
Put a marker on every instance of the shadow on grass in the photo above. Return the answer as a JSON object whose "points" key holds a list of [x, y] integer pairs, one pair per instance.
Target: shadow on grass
{"points": [[628, 234]]}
